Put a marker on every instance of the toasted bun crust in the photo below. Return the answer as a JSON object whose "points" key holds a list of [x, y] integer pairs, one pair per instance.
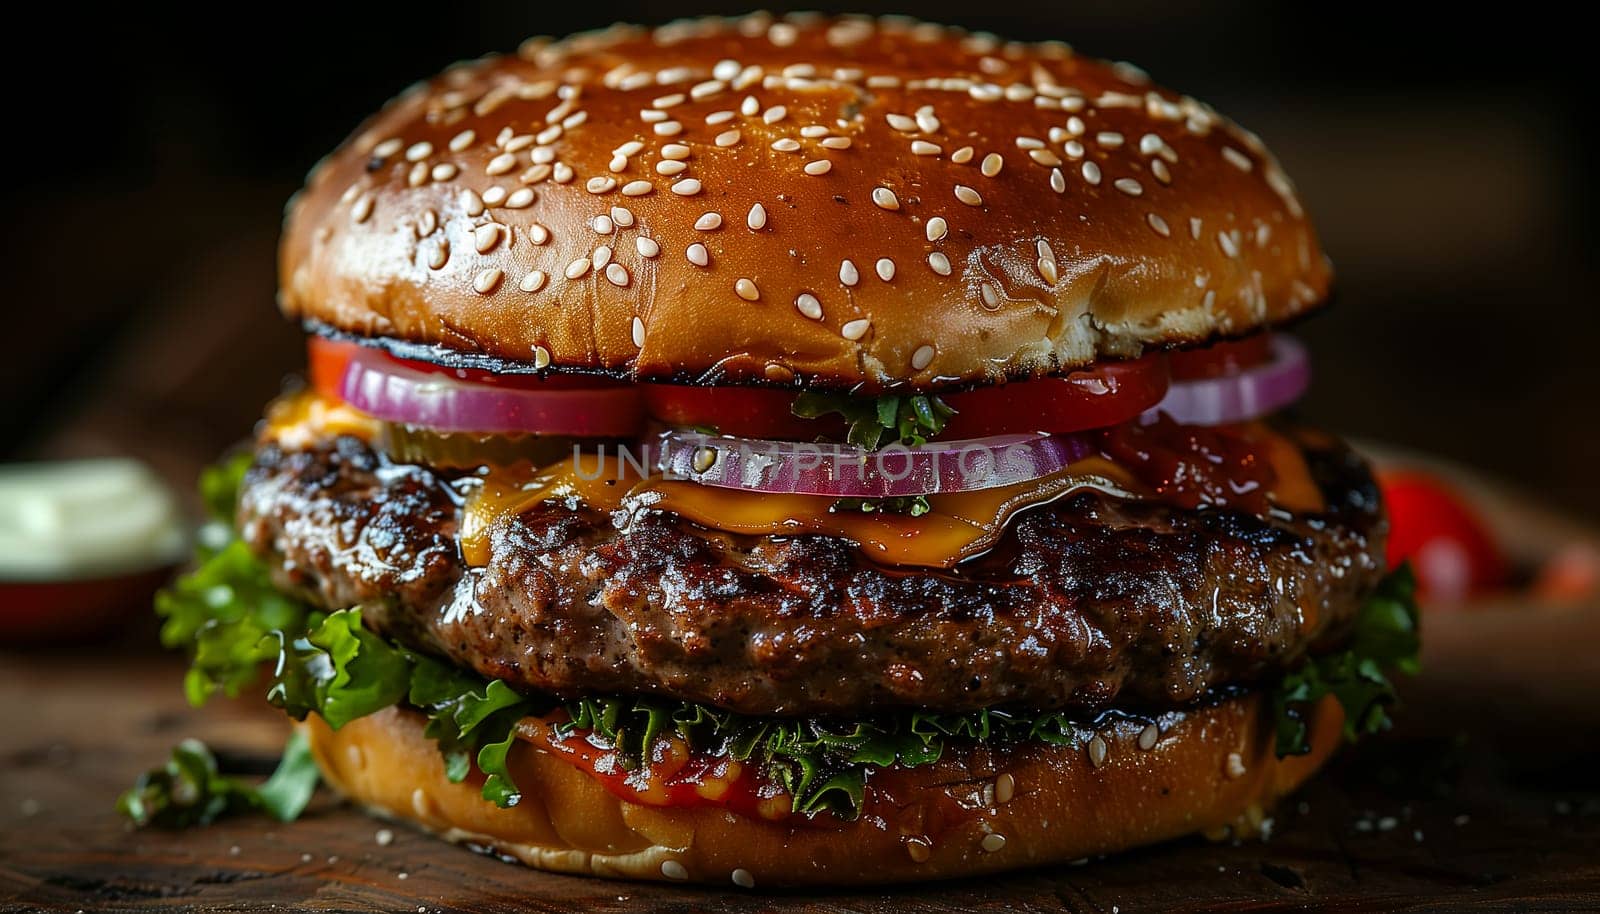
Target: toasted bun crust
{"points": [[935, 208], [1210, 771]]}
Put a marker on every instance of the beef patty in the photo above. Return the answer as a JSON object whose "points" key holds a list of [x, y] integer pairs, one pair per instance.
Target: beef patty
{"points": [[1086, 601]]}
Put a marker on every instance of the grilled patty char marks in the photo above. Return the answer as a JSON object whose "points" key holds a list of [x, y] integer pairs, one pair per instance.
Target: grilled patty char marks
{"points": [[1086, 601]]}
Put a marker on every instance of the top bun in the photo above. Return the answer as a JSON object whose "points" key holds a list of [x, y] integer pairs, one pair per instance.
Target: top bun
{"points": [[831, 202]]}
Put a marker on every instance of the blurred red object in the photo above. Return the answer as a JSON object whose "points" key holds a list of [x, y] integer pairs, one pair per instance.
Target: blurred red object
{"points": [[1448, 545]]}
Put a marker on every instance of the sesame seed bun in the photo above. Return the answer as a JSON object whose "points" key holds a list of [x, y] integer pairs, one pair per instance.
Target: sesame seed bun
{"points": [[849, 203], [1210, 770]]}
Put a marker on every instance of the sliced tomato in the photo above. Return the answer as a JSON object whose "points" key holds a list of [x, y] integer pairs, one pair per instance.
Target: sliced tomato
{"points": [[1106, 395], [1221, 359], [1449, 547], [748, 412], [326, 362]]}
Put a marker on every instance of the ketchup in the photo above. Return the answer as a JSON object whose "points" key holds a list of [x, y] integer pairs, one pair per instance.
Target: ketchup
{"points": [[1191, 466]]}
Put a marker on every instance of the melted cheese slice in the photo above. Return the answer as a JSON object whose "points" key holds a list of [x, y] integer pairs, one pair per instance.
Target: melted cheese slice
{"points": [[959, 526]]}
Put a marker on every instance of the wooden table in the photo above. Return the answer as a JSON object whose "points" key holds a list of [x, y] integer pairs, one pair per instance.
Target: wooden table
{"points": [[1486, 798]]}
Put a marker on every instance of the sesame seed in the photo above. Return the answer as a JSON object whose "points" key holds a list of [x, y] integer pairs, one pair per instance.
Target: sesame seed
{"points": [[1235, 766], [708, 222], [668, 128], [807, 304], [520, 198], [728, 138], [718, 117], [388, 147], [937, 228], [1148, 737], [992, 843], [675, 151], [488, 280], [962, 156], [856, 329], [924, 148], [647, 247], [885, 269], [622, 216], [787, 144], [901, 122], [574, 119], [725, 69], [652, 116], [1047, 270], [533, 282], [813, 131], [1091, 172], [669, 168], [1150, 144], [630, 148], [743, 879], [603, 225], [362, 209], [818, 167], [549, 134], [991, 296], [1109, 139], [1128, 186], [601, 185], [439, 255], [968, 196], [1058, 181], [638, 341], [704, 90], [757, 219], [939, 263], [1074, 149], [1044, 157], [617, 274], [494, 196], [1029, 142], [577, 268], [774, 114], [427, 223], [486, 236], [602, 256], [419, 151], [1229, 245], [1159, 224], [1160, 170], [836, 142], [698, 255], [637, 188], [1076, 126], [1237, 159], [688, 187], [668, 101], [542, 155], [848, 274], [418, 175], [1098, 750], [563, 173], [1005, 787], [500, 164], [518, 143], [992, 163], [926, 121], [746, 290], [885, 198], [749, 107], [444, 171], [922, 358]]}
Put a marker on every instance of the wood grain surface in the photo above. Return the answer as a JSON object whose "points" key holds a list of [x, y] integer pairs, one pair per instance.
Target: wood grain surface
{"points": [[1486, 798]]}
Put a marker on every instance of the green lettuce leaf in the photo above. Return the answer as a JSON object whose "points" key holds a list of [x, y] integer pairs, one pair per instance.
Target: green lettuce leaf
{"points": [[876, 422], [190, 790], [1385, 639]]}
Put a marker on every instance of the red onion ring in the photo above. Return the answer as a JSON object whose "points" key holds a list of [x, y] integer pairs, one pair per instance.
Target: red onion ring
{"points": [[1251, 393], [844, 471], [380, 387]]}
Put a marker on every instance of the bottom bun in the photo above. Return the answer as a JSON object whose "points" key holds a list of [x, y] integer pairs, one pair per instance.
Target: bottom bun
{"points": [[977, 810]]}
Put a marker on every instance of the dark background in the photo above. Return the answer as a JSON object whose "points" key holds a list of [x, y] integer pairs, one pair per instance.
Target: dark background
{"points": [[1444, 155]]}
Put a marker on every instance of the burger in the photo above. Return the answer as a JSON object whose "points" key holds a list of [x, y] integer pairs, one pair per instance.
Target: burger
{"points": [[795, 451]]}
